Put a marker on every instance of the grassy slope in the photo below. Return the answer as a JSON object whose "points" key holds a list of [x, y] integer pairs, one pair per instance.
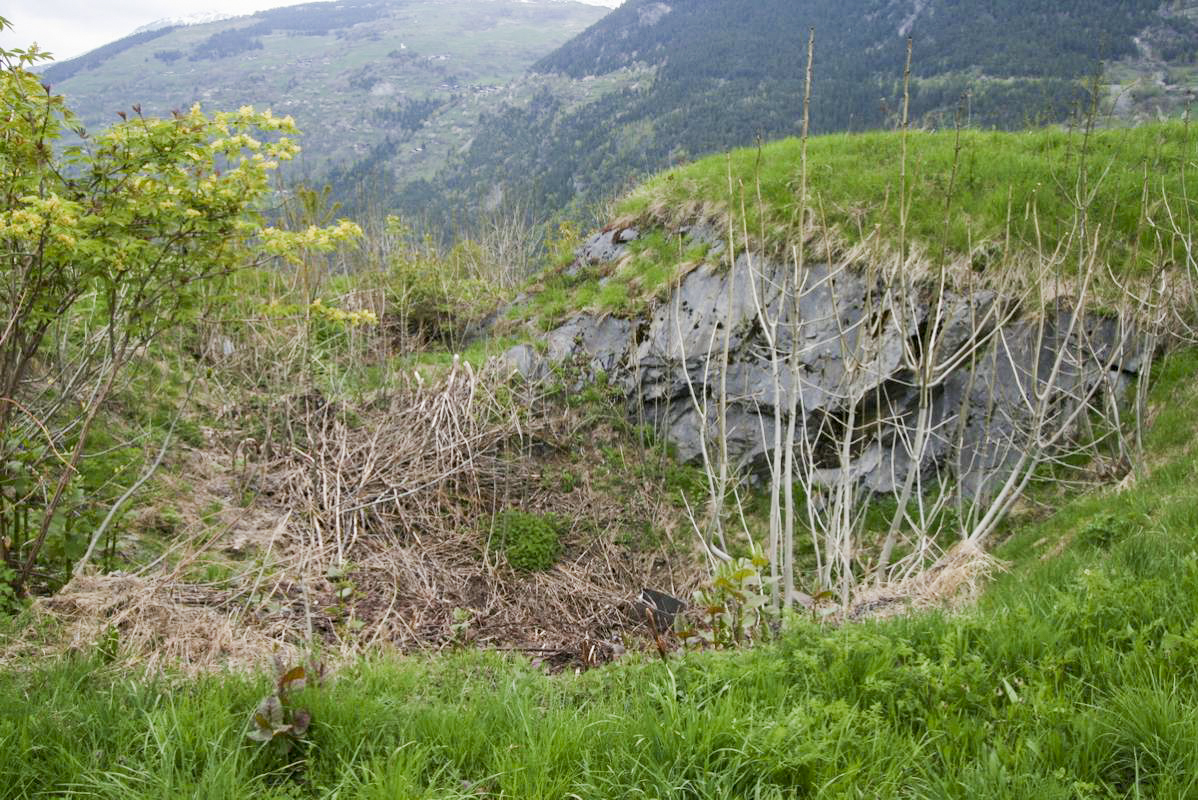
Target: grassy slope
{"points": [[1022, 179], [854, 180], [1072, 678], [730, 72]]}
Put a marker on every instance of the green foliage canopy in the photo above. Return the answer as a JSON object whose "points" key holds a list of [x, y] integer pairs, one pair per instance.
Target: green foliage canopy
{"points": [[106, 243], [150, 206]]}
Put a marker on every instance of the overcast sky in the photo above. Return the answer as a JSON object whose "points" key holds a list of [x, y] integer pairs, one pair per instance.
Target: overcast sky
{"points": [[68, 28]]}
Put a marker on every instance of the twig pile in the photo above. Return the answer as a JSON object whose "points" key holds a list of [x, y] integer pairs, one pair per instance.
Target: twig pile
{"points": [[424, 466], [390, 520], [371, 528]]}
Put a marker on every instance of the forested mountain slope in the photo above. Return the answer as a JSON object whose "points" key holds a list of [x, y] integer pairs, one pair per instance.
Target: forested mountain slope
{"points": [[726, 72], [407, 76], [451, 110]]}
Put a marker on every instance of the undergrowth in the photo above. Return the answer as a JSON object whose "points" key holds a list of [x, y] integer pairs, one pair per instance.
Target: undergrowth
{"points": [[1071, 678]]}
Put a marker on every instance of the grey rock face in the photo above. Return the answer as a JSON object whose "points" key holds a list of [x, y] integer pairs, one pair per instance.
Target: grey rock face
{"points": [[524, 359], [856, 344], [606, 246], [702, 233], [598, 344]]}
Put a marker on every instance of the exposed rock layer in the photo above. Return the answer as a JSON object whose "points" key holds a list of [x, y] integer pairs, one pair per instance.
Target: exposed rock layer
{"points": [[997, 381]]}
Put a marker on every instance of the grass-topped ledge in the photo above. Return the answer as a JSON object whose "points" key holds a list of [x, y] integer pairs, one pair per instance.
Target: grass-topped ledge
{"points": [[958, 316]]}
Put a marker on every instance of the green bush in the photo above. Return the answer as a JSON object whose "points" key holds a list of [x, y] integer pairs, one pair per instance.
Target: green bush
{"points": [[1105, 529], [138, 227], [437, 296], [531, 542]]}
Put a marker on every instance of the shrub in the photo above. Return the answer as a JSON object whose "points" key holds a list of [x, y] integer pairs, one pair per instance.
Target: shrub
{"points": [[531, 542], [1105, 529], [135, 229], [437, 297]]}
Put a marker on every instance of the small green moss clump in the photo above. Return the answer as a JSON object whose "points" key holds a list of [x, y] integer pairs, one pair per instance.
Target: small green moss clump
{"points": [[531, 542]]}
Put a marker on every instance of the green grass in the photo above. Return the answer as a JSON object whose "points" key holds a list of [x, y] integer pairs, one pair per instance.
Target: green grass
{"points": [[854, 185], [432, 363], [1073, 677], [1013, 197], [623, 289]]}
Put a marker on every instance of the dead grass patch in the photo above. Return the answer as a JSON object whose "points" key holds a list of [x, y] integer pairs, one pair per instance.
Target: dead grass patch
{"points": [[954, 581], [369, 531]]}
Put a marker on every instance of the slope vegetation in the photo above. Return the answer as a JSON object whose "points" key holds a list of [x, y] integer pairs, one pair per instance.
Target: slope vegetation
{"points": [[343, 508], [1071, 678], [978, 199], [727, 73]]}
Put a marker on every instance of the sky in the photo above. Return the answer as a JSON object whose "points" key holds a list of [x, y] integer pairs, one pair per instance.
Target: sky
{"points": [[69, 28]]}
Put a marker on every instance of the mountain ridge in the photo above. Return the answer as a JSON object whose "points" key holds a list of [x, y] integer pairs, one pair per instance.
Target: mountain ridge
{"points": [[354, 74], [199, 18], [496, 112]]}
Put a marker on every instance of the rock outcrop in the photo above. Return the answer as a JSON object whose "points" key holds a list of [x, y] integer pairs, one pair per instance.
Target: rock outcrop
{"points": [[997, 378]]}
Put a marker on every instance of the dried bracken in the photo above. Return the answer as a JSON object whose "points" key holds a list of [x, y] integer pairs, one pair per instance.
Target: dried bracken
{"points": [[379, 539]]}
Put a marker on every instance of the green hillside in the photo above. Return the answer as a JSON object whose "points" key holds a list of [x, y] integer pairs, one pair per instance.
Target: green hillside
{"points": [[983, 199], [408, 76], [727, 73], [450, 112], [987, 184]]}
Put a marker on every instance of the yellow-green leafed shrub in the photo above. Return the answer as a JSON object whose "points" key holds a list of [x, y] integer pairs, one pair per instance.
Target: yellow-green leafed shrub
{"points": [[531, 542], [136, 227]]}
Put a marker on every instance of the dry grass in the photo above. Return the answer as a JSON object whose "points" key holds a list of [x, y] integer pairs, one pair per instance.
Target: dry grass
{"points": [[160, 623], [369, 531], [954, 581]]}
